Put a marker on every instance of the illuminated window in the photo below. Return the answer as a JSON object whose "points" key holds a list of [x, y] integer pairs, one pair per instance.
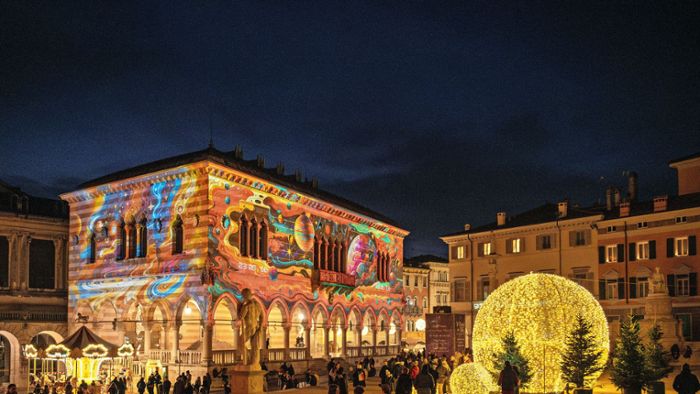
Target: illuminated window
{"points": [[93, 247], [681, 246], [642, 286], [643, 250], [460, 252], [611, 254], [121, 241], [611, 290], [177, 233], [485, 249], [681, 219], [142, 231], [515, 245]]}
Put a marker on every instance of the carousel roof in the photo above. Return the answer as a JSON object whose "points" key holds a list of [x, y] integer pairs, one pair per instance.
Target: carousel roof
{"points": [[83, 337]]}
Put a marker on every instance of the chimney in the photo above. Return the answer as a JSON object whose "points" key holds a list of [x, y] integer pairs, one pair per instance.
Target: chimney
{"points": [[625, 209], [501, 218], [261, 161], [609, 198], [467, 227], [616, 197], [632, 186], [238, 152], [563, 209], [297, 175], [314, 183], [280, 169], [660, 203]]}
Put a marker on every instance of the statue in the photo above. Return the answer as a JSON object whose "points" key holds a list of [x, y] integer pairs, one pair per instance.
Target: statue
{"points": [[251, 315], [658, 283]]}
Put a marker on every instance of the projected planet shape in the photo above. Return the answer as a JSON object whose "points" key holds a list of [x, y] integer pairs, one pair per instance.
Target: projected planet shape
{"points": [[360, 254], [304, 233]]}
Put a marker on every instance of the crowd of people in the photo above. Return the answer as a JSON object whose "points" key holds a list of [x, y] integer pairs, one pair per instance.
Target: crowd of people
{"points": [[183, 384]]}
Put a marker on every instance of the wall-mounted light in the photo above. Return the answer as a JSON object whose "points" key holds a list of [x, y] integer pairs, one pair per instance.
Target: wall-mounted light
{"points": [[188, 309]]}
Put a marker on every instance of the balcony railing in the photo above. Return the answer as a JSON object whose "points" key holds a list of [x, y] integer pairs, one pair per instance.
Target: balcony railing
{"points": [[340, 278], [225, 357], [34, 316], [412, 310]]}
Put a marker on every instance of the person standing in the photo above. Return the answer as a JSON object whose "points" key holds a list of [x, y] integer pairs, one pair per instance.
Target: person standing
{"points": [[141, 386], [404, 384], [508, 379], [207, 383], [424, 383], [165, 387], [686, 382]]}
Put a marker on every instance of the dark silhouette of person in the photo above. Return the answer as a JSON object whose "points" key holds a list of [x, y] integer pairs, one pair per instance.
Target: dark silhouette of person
{"points": [[686, 382]]}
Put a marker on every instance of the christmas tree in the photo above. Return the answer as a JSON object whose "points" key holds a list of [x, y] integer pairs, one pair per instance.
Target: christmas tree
{"points": [[580, 359], [630, 370], [511, 352], [658, 359]]}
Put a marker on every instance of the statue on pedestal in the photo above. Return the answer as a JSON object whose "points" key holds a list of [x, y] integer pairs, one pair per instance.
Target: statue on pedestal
{"points": [[658, 283], [251, 316]]}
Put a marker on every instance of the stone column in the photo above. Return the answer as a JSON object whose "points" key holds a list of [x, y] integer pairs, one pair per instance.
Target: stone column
{"points": [[13, 278], [147, 339], [25, 241], [344, 349], [59, 267], [374, 339], [175, 341], [326, 340], [206, 342], [359, 341], [287, 332], [307, 339]]}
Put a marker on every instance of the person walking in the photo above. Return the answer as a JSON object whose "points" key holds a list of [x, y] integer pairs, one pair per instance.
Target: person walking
{"points": [[165, 387], [206, 383], [508, 379], [404, 384], [686, 382], [141, 385]]}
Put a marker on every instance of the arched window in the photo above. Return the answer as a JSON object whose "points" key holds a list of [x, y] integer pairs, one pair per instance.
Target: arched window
{"points": [[262, 249], [343, 256], [93, 250], [243, 236], [142, 231], [130, 229], [178, 237], [324, 253], [121, 241], [253, 231]]}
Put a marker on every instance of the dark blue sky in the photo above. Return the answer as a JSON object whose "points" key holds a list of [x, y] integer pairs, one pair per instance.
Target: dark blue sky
{"points": [[433, 113]]}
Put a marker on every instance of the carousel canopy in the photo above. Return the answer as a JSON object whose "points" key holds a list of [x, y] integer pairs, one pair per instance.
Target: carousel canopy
{"points": [[84, 342]]}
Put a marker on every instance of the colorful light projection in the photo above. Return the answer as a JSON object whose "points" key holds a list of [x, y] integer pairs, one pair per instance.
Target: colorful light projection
{"points": [[539, 310], [210, 208]]}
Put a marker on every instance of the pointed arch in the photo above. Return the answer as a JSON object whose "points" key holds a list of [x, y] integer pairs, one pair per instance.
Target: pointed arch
{"points": [[121, 240], [243, 232], [142, 237], [262, 242], [180, 309], [283, 309], [158, 305], [177, 235]]}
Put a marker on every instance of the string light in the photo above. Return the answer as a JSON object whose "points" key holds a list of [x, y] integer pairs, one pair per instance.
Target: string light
{"points": [[126, 350], [539, 309], [57, 351], [472, 378]]}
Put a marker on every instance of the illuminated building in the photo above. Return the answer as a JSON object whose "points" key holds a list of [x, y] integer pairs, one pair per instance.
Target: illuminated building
{"points": [[611, 249], [426, 285], [33, 233], [161, 252]]}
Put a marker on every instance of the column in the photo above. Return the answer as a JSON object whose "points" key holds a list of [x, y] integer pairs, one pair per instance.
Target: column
{"points": [[344, 339], [175, 341], [60, 265], [13, 278], [147, 339], [287, 332], [388, 335], [25, 241], [206, 342], [326, 340], [359, 341], [307, 340], [374, 339]]}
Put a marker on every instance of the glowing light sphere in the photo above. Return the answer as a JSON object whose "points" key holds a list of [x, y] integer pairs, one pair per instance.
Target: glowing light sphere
{"points": [[420, 325], [540, 310], [472, 378]]}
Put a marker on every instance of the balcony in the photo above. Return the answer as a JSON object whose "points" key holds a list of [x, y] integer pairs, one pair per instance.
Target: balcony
{"points": [[412, 310], [337, 278]]}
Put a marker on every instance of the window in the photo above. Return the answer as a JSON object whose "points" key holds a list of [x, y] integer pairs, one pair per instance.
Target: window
{"points": [[460, 252], [611, 254], [177, 235], [544, 242], [611, 229], [681, 219], [243, 226], [485, 288], [4, 263], [93, 249], [142, 232], [121, 241], [642, 225], [42, 264], [643, 250], [581, 277], [515, 245], [579, 238], [485, 249], [682, 285], [611, 290], [460, 290], [262, 246], [130, 229], [415, 280], [681, 246], [425, 281], [642, 286]]}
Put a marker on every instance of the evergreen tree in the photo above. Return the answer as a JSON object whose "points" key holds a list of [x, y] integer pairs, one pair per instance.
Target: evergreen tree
{"points": [[629, 369], [580, 359], [511, 352], [658, 359]]}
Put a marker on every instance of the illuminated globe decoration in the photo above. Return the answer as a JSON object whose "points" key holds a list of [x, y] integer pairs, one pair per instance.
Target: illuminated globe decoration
{"points": [[539, 309], [472, 378], [304, 233]]}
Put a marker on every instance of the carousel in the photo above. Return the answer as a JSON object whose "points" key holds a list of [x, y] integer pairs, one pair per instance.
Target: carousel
{"points": [[81, 357]]}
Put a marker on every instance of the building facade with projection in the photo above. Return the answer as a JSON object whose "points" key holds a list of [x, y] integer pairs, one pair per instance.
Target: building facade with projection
{"points": [[33, 281], [612, 249], [160, 253]]}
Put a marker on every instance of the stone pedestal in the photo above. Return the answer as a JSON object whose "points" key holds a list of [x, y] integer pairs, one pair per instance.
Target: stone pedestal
{"points": [[658, 310], [247, 380]]}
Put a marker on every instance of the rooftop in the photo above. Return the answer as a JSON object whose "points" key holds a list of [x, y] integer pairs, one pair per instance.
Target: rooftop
{"points": [[675, 203], [234, 159], [545, 213], [14, 200], [684, 158]]}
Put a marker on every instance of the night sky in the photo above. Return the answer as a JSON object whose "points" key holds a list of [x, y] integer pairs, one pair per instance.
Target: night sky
{"points": [[436, 113]]}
